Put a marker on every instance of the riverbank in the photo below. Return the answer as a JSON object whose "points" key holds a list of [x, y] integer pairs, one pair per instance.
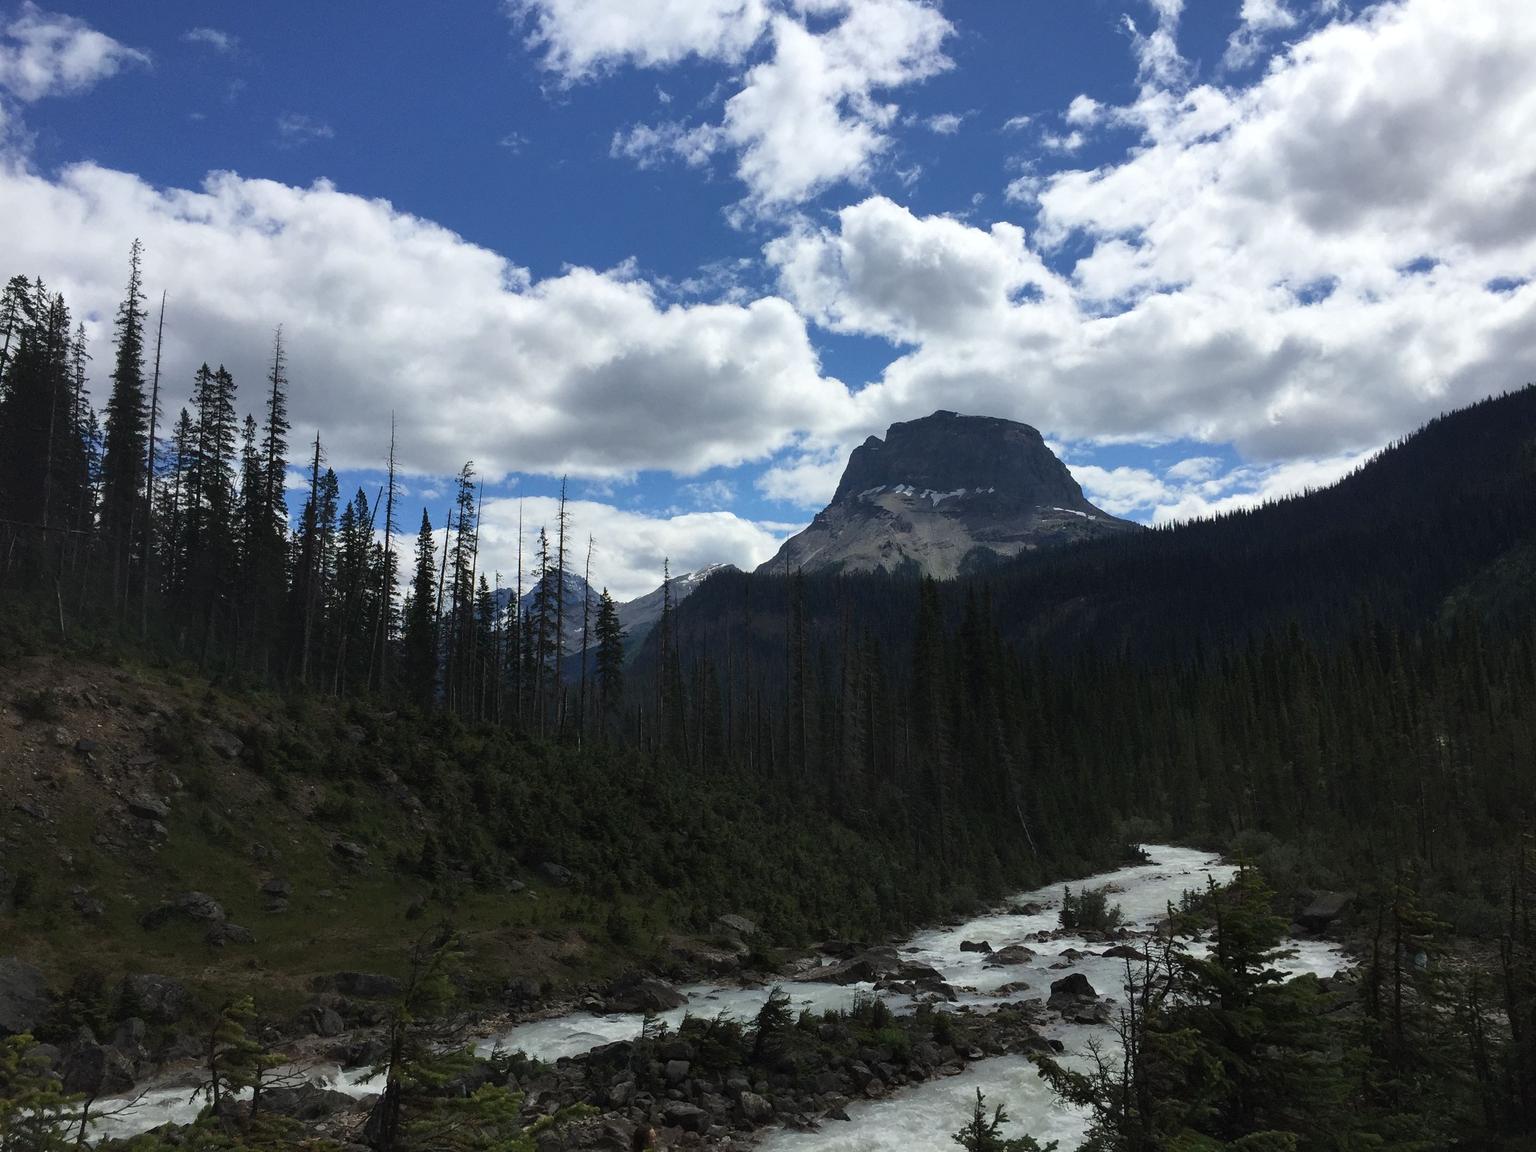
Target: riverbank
{"points": [[886, 1027]]}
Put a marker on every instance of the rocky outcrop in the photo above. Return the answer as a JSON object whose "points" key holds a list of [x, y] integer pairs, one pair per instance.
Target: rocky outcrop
{"points": [[194, 906], [945, 495], [156, 998]]}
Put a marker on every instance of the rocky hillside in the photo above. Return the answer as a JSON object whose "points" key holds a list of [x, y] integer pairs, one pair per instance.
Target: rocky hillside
{"points": [[639, 616], [945, 495]]}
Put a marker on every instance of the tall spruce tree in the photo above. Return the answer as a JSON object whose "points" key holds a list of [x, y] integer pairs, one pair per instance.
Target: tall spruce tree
{"points": [[127, 436], [419, 633]]}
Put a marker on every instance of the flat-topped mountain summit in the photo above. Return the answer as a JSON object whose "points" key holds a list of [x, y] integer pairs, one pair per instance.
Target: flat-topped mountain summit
{"points": [[944, 495]]}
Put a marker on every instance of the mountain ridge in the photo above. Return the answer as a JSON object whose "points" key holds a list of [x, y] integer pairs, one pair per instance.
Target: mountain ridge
{"points": [[946, 494]]}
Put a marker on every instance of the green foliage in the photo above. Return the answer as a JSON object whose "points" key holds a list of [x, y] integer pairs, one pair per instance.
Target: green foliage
{"points": [[1089, 911], [35, 1113], [982, 1133]]}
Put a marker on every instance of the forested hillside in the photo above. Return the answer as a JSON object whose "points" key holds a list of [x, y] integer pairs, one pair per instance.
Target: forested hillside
{"points": [[1350, 670]]}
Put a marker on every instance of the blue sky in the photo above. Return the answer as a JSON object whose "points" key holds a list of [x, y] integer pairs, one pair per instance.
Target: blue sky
{"points": [[689, 252]]}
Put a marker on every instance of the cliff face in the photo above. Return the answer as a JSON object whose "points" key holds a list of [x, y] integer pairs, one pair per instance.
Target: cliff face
{"points": [[943, 495]]}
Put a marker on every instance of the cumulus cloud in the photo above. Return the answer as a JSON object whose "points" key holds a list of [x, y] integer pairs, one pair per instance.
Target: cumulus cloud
{"points": [[1197, 488], [47, 54], [1304, 267], [1258, 19], [808, 113], [581, 37], [586, 372]]}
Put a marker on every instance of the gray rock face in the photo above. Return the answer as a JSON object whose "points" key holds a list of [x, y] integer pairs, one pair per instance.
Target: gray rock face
{"points": [[23, 997], [945, 495]]}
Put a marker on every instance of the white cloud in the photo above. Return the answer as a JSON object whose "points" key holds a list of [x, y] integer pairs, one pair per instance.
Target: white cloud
{"points": [[944, 123], [710, 493], [582, 37], [1257, 20], [1196, 488], [1243, 278], [212, 38], [294, 129], [629, 546], [48, 54], [1017, 123], [1084, 111], [887, 272], [807, 478], [1071, 142], [585, 372], [650, 145], [808, 115]]}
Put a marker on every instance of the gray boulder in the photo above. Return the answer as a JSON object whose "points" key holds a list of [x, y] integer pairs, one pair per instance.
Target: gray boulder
{"points": [[732, 925], [148, 807], [645, 995], [1013, 954], [1324, 909], [157, 998], [195, 906], [23, 997], [557, 874], [754, 1108], [688, 1117]]}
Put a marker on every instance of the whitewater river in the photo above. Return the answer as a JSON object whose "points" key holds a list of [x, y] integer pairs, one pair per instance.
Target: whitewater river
{"points": [[918, 1118]]}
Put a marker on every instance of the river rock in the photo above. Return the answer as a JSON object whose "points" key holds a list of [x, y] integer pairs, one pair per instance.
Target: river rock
{"points": [[676, 1071], [646, 994], [23, 996], [975, 946], [866, 967], [1324, 909], [1124, 952], [1075, 986], [754, 1108], [688, 1117], [1009, 956], [349, 850]]}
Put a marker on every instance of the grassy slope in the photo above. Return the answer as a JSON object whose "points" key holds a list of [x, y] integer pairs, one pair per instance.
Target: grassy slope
{"points": [[154, 729]]}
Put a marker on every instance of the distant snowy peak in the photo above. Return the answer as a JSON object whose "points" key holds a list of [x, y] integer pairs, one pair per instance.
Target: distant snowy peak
{"points": [[945, 495]]}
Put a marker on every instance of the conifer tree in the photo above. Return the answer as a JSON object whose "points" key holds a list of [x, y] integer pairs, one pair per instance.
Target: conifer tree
{"points": [[126, 435], [610, 655], [419, 639]]}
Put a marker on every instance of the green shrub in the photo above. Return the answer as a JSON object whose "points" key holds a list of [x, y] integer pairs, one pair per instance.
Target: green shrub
{"points": [[1089, 911]]}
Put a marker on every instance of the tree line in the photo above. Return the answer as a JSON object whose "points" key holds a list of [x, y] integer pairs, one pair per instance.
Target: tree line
{"points": [[182, 537]]}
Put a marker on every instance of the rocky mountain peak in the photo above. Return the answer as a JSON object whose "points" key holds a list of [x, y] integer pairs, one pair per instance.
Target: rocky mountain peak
{"points": [[944, 495]]}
